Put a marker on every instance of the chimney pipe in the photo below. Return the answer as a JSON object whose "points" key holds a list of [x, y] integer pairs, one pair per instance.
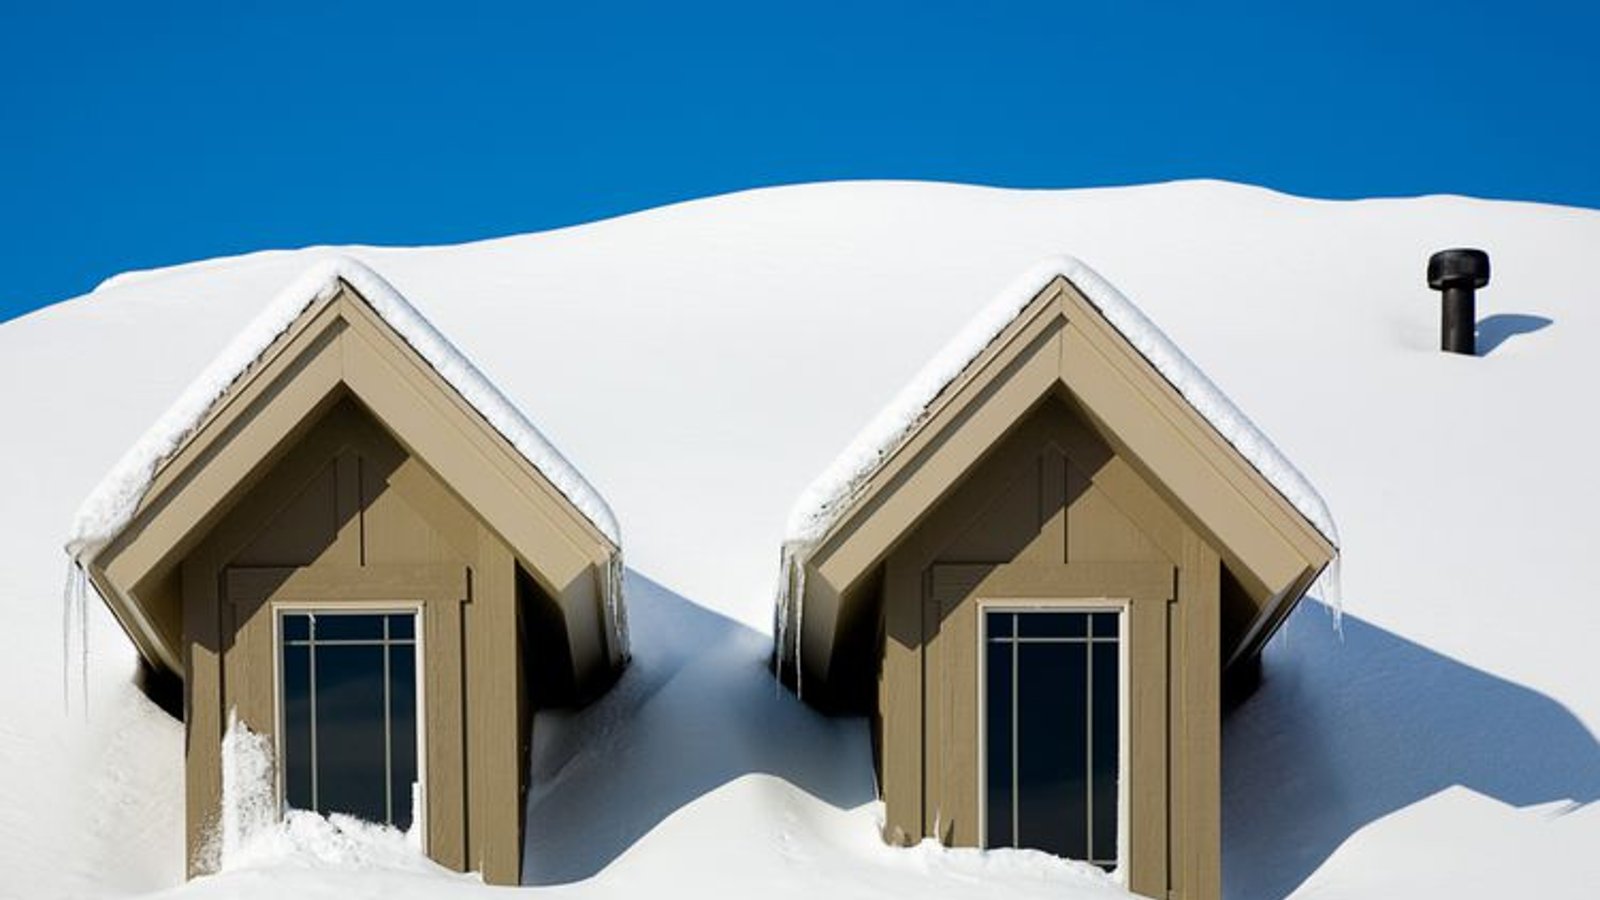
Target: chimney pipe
{"points": [[1458, 273]]}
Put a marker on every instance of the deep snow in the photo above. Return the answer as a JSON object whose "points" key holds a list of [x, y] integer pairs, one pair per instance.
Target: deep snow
{"points": [[725, 351]]}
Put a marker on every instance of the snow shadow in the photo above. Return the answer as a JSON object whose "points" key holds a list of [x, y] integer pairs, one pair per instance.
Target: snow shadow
{"points": [[696, 708], [1344, 732], [1497, 329]]}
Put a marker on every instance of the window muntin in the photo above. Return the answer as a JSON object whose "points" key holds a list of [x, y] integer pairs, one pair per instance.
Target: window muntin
{"points": [[349, 702], [1052, 731]]}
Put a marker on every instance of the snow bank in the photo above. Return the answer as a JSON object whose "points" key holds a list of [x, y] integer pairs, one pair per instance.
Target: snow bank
{"points": [[249, 805], [826, 498], [111, 505], [250, 833]]}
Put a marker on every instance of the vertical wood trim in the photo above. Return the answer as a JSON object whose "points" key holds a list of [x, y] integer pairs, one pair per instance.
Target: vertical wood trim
{"points": [[952, 674], [252, 667], [935, 820], [1197, 725], [446, 739], [1146, 853], [494, 837], [203, 710], [900, 699]]}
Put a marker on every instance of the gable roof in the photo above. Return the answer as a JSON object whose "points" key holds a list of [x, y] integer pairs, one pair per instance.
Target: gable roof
{"points": [[111, 504], [341, 328], [826, 499], [1060, 327]]}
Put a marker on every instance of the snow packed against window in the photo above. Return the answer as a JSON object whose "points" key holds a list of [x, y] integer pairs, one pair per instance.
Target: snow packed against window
{"points": [[825, 500], [112, 503]]}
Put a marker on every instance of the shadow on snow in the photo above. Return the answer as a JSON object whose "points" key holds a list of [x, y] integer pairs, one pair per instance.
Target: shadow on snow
{"points": [[1495, 330], [695, 709], [1344, 732]]}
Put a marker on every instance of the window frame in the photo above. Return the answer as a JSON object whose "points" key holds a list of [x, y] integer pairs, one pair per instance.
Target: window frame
{"points": [[1122, 607], [416, 608]]}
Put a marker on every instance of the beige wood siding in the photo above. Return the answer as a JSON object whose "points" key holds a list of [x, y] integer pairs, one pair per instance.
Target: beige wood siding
{"points": [[348, 516], [1053, 515], [340, 467]]}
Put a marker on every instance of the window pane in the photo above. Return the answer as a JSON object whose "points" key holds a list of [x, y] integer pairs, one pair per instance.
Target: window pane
{"points": [[296, 627], [296, 664], [403, 731], [997, 746], [402, 627], [350, 728], [340, 627], [1052, 624], [1000, 625], [1107, 736], [1052, 747], [1105, 625]]}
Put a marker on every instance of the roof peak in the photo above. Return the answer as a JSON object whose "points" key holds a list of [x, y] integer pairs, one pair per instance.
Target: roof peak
{"points": [[112, 504], [825, 501]]}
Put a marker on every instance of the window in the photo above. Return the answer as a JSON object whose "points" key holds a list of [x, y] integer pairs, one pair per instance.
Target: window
{"points": [[349, 701], [1052, 730]]}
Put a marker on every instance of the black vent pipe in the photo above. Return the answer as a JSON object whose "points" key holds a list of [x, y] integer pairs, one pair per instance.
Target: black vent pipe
{"points": [[1458, 273]]}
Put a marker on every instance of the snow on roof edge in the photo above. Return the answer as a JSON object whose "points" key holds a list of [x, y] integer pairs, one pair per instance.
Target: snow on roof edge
{"points": [[825, 500], [111, 505]]}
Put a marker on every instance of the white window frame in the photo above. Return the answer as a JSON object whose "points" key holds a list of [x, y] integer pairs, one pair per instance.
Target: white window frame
{"points": [[419, 823], [1123, 608]]}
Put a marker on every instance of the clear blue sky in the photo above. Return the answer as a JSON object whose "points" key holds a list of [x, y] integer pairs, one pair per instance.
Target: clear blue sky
{"points": [[143, 134]]}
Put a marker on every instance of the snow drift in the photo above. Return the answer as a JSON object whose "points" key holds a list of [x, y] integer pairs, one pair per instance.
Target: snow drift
{"points": [[1444, 747]]}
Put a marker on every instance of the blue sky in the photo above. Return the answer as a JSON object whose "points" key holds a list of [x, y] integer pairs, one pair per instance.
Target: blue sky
{"points": [[141, 135]]}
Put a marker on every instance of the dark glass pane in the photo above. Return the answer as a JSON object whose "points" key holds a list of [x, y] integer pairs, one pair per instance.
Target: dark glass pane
{"points": [[334, 627], [1107, 737], [1105, 624], [350, 729], [1000, 625], [402, 731], [1052, 746], [997, 743], [296, 724], [296, 627], [1053, 624], [402, 626]]}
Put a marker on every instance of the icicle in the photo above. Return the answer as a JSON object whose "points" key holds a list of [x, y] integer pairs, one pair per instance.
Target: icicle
{"points": [[75, 634], [799, 567], [249, 798], [791, 605], [1330, 590], [616, 572], [781, 626]]}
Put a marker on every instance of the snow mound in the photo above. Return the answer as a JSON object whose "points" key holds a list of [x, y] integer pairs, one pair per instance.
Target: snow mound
{"points": [[825, 499], [112, 503]]}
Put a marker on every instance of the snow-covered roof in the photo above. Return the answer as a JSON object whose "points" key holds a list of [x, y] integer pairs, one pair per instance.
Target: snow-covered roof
{"points": [[827, 498], [113, 502]]}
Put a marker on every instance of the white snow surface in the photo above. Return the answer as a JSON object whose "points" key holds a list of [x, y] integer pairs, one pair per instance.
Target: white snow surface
{"points": [[1443, 746], [826, 498], [112, 503]]}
